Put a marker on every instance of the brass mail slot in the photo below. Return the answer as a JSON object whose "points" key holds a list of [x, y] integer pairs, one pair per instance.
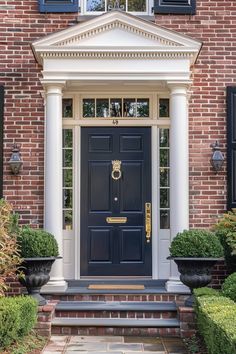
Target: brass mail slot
{"points": [[116, 220]]}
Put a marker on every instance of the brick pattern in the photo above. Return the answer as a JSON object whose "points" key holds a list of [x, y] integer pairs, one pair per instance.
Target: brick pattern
{"points": [[219, 274], [214, 25], [116, 314], [45, 315], [187, 319], [13, 287], [20, 24], [117, 297]]}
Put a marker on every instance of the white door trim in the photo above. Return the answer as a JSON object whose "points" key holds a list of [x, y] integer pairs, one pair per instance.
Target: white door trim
{"points": [[155, 200]]}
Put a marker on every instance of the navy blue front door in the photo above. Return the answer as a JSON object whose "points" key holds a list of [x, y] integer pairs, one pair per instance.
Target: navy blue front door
{"points": [[115, 185]]}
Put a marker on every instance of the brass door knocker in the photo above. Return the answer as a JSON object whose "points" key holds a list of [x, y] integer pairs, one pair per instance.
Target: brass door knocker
{"points": [[116, 172]]}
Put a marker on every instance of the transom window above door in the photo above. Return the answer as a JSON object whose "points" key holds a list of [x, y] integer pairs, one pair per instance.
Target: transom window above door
{"points": [[132, 6], [134, 107]]}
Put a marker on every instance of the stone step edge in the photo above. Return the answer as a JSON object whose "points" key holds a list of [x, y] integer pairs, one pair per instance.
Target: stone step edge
{"points": [[87, 292], [111, 322], [115, 306]]}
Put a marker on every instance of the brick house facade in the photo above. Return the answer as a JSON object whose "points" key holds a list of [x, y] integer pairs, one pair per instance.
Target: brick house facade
{"points": [[22, 23]]}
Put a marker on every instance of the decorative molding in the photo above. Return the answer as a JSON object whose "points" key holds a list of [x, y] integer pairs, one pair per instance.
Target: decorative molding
{"points": [[113, 25], [118, 55]]}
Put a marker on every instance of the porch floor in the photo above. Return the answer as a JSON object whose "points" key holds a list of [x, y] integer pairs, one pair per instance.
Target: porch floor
{"points": [[82, 287], [116, 345]]}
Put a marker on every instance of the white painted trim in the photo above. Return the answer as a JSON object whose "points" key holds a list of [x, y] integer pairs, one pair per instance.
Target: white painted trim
{"points": [[154, 123], [135, 23], [77, 164], [155, 223], [152, 41]]}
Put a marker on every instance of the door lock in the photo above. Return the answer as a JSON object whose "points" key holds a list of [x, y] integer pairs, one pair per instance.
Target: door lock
{"points": [[148, 221]]}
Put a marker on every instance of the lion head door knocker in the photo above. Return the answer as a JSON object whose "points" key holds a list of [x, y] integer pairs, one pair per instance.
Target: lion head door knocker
{"points": [[116, 171]]}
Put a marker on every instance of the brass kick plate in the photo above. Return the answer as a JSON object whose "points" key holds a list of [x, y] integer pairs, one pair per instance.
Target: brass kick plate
{"points": [[116, 220]]}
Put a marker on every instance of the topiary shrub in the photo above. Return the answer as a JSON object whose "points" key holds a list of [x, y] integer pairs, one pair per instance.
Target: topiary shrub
{"points": [[37, 243], [229, 287], [196, 243]]}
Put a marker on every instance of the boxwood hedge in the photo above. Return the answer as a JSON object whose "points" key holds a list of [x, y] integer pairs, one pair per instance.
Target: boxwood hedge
{"points": [[229, 287], [216, 322], [18, 316]]}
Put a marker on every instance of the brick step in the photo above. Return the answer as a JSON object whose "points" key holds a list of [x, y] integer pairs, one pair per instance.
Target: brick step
{"points": [[121, 309], [115, 326], [115, 296]]}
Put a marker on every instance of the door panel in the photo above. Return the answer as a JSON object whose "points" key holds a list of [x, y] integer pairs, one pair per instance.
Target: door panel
{"points": [[131, 188], [98, 237], [131, 143], [131, 249], [100, 192], [115, 248], [100, 143]]}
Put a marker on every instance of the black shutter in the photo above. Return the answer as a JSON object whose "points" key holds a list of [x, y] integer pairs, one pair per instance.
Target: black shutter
{"points": [[231, 147], [1, 138], [185, 7], [58, 6]]}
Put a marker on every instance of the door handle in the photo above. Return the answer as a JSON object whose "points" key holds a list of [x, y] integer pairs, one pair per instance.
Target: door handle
{"points": [[148, 221]]}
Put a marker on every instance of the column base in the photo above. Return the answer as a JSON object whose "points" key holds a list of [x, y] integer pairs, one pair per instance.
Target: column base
{"points": [[54, 285], [176, 286]]}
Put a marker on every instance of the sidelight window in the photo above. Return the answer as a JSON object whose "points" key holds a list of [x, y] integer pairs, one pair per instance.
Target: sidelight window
{"points": [[164, 175], [67, 157]]}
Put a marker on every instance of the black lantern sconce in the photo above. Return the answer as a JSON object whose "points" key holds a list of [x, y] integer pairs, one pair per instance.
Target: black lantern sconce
{"points": [[15, 161], [217, 158]]}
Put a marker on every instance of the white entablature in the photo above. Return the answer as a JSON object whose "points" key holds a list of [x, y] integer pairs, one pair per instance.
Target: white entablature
{"points": [[116, 43]]}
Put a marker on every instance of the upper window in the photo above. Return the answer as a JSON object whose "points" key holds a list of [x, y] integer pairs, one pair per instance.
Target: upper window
{"points": [[133, 6], [136, 7]]}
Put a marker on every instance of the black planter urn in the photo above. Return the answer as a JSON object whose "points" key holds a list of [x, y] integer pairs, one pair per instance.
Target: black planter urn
{"points": [[194, 272], [36, 274]]}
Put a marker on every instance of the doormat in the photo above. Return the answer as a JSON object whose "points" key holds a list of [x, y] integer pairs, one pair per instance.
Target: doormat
{"points": [[115, 287]]}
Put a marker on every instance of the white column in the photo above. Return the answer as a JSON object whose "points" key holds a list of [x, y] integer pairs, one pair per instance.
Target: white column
{"points": [[179, 172], [53, 179]]}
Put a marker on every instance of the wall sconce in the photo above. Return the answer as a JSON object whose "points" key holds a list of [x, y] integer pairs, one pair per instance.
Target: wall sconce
{"points": [[15, 161], [217, 158]]}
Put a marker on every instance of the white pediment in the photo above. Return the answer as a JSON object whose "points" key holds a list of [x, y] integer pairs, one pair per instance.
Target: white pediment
{"points": [[117, 37], [116, 34]]}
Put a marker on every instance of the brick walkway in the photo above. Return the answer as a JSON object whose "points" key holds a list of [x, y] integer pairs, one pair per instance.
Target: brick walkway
{"points": [[115, 345]]}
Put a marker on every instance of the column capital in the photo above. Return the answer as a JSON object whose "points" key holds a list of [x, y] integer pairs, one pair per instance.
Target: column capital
{"points": [[179, 87], [53, 87]]}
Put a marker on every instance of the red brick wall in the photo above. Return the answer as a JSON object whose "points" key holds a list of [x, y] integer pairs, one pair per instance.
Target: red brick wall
{"points": [[21, 23], [214, 25]]}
